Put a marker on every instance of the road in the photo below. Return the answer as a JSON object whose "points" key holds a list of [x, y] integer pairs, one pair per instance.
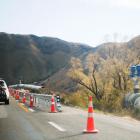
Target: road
{"points": [[17, 123]]}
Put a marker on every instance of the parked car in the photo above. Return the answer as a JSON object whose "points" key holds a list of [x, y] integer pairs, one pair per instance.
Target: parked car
{"points": [[4, 92]]}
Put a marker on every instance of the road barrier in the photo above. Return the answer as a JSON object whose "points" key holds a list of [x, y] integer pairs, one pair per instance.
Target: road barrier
{"points": [[42, 101]]}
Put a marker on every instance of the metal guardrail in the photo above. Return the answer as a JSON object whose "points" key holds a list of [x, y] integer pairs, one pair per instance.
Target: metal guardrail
{"points": [[28, 86]]}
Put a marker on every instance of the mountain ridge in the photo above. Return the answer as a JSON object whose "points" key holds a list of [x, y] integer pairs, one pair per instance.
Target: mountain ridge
{"points": [[31, 58]]}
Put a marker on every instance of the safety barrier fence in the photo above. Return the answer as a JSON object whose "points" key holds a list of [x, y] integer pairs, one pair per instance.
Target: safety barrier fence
{"points": [[42, 101]]}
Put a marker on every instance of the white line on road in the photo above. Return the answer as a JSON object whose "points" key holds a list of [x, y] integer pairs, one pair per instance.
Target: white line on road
{"points": [[57, 127]]}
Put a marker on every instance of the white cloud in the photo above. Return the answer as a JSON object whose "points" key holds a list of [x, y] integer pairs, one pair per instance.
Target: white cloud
{"points": [[126, 3]]}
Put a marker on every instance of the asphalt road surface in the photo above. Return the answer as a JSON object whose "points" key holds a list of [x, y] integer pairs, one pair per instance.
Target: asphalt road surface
{"points": [[19, 123]]}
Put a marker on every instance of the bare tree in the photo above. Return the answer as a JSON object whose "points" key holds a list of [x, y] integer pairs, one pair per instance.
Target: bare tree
{"points": [[92, 85]]}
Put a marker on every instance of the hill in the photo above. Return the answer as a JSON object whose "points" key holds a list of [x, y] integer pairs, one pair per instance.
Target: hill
{"points": [[32, 58], [113, 59]]}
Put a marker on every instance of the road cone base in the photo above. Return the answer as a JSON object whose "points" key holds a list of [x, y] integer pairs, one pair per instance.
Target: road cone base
{"points": [[31, 106], [53, 112], [91, 131]]}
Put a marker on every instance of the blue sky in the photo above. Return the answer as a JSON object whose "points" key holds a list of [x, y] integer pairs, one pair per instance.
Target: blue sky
{"points": [[87, 21]]}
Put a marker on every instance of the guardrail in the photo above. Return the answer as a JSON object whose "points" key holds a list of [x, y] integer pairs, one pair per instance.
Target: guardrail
{"points": [[29, 86]]}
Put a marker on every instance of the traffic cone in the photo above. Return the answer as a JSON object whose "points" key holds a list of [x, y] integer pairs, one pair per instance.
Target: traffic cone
{"points": [[12, 91], [53, 109], [31, 101], [90, 120], [17, 95], [24, 99]]}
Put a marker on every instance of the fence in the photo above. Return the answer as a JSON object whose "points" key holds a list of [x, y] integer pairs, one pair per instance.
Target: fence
{"points": [[41, 101]]}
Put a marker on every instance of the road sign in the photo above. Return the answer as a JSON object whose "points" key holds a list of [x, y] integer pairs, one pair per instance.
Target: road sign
{"points": [[132, 71], [138, 70]]}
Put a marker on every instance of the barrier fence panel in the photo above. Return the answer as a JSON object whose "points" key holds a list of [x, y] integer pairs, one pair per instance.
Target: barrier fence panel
{"points": [[41, 101]]}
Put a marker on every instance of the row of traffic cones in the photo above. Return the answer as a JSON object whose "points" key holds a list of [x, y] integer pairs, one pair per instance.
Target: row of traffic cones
{"points": [[15, 94]]}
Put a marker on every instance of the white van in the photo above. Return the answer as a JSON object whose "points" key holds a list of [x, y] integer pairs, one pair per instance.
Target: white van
{"points": [[4, 92]]}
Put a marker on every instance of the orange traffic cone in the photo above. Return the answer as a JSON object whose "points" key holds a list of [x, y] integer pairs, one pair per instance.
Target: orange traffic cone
{"points": [[12, 91], [53, 109], [90, 121], [31, 101], [17, 95], [24, 98]]}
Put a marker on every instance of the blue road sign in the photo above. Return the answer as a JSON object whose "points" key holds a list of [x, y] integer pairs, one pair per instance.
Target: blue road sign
{"points": [[133, 71], [138, 70]]}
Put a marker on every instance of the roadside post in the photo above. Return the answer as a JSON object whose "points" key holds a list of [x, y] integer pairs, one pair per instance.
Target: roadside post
{"points": [[58, 104]]}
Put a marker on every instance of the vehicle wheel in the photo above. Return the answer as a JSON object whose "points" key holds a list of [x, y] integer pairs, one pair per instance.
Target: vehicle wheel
{"points": [[7, 102]]}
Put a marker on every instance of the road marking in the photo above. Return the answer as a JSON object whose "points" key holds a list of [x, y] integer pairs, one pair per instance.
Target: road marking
{"points": [[57, 127], [23, 107], [32, 110]]}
